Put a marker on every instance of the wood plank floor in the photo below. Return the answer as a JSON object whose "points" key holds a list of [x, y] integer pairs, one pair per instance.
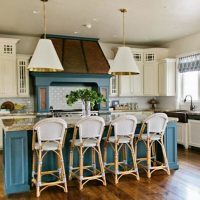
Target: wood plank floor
{"points": [[183, 184]]}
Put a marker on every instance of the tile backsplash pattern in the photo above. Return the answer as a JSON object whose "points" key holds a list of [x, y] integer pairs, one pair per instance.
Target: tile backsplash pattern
{"points": [[142, 101], [27, 101], [57, 97]]}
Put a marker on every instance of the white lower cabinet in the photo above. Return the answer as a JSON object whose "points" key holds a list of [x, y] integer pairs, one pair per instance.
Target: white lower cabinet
{"points": [[182, 134], [194, 133]]}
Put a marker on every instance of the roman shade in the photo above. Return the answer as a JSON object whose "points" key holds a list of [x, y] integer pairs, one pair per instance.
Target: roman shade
{"points": [[189, 63]]}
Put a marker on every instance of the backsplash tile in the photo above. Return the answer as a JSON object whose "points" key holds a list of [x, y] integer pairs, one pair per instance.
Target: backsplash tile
{"points": [[57, 97]]}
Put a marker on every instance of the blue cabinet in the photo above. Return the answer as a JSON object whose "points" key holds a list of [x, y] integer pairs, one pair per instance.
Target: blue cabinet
{"points": [[16, 162], [170, 141]]}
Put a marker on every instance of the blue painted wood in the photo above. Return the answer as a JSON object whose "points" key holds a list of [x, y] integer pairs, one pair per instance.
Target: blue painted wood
{"points": [[16, 162], [170, 141]]}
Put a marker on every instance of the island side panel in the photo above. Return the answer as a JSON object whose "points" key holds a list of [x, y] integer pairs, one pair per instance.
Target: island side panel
{"points": [[170, 141], [16, 162]]}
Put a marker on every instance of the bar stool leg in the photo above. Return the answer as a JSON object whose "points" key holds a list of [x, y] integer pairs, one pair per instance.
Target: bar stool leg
{"points": [[81, 167], [125, 157], [33, 167], [71, 161], [63, 170], [105, 154], [39, 173], [134, 162], [165, 156], [148, 158], [101, 165], [116, 163], [93, 160]]}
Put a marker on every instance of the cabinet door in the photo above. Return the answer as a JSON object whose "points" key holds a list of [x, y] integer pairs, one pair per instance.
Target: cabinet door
{"points": [[137, 82], [8, 76], [151, 79], [167, 78], [16, 162], [113, 81], [179, 133], [125, 85], [22, 77], [194, 136]]}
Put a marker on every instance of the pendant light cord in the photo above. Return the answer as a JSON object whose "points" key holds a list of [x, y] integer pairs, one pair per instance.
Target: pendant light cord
{"points": [[44, 18], [123, 29], [123, 11]]}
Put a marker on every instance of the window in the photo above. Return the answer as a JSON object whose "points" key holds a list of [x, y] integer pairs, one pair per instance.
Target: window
{"points": [[190, 84]]}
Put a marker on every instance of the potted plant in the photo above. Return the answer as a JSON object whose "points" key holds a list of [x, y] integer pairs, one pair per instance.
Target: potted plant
{"points": [[88, 97]]}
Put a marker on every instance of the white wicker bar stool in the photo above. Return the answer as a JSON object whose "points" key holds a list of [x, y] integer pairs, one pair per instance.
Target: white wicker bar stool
{"points": [[50, 134], [124, 130], [156, 125], [90, 131]]}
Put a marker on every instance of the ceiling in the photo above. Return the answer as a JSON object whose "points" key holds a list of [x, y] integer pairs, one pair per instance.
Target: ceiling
{"points": [[148, 22]]}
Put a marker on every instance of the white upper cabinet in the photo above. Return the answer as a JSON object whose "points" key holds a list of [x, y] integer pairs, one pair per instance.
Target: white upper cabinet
{"points": [[147, 82], [22, 75], [133, 85], [167, 77], [113, 82], [8, 75], [151, 79]]}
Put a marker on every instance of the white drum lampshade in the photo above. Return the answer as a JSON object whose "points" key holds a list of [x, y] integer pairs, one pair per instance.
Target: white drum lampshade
{"points": [[124, 63], [45, 58]]}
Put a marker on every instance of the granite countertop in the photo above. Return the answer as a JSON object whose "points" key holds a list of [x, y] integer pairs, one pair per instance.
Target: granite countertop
{"points": [[27, 123]]}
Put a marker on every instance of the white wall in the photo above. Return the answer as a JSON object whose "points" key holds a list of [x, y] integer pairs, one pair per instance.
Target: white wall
{"points": [[26, 45], [184, 45]]}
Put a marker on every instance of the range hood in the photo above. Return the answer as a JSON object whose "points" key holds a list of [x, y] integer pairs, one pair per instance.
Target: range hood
{"points": [[80, 55]]}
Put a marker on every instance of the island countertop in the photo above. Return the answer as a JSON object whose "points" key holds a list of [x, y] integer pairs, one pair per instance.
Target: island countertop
{"points": [[27, 123]]}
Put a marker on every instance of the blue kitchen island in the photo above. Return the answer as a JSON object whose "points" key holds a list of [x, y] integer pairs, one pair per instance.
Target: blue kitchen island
{"points": [[17, 151]]}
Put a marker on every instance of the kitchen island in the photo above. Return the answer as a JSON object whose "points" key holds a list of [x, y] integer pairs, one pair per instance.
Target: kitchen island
{"points": [[17, 154]]}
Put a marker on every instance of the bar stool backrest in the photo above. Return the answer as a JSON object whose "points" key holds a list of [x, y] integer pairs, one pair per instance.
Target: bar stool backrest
{"points": [[50, 129], [91, 127], [156, 123], [124, 125]]}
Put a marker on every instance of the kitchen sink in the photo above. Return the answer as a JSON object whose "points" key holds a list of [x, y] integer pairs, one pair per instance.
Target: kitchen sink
{"points": [[184, 115]]}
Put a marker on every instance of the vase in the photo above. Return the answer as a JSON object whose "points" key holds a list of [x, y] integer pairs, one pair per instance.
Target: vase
{"points": [[86, 108]]}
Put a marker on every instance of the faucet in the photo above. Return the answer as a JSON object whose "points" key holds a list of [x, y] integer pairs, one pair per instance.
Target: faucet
{"points": [[191, 104]]}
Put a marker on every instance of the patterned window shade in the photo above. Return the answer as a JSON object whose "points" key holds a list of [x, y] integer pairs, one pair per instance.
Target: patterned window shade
{"points": [[189, 63]]}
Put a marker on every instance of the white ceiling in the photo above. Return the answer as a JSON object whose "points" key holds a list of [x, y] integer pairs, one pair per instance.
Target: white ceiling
{"points": [[147, 21]]}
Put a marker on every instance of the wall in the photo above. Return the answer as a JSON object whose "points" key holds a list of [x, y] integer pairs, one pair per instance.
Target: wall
{"points": [[184, 45]]}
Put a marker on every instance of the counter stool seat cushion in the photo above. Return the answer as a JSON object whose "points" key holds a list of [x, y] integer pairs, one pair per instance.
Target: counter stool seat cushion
{"points": [[90, 142], [151, 136], [122, 139], [48, 146]]}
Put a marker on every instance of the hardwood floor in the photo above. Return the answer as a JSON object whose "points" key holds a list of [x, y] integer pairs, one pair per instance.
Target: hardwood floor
{"points": [[182, 184]]}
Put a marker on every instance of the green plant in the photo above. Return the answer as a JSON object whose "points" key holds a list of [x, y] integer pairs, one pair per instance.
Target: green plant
{"points": [[85, 95]]}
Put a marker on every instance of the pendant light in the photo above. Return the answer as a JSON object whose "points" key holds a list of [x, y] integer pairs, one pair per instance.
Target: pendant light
{"points": [[124, 63], [45, 58]]}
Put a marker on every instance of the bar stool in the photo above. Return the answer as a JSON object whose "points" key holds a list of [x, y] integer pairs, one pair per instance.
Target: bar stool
{"points": [[50, 134], [90, 131], [124, 130], [156, 125]]}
